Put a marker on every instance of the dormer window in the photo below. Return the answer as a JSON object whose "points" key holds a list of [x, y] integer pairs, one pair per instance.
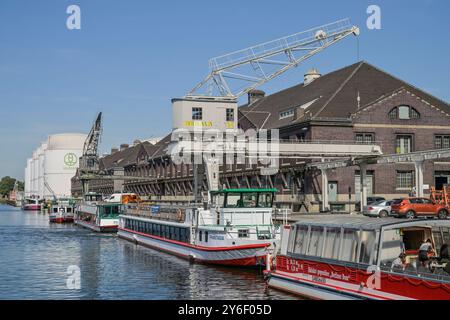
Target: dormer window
{"points": [[286, 113], [404, 112]]}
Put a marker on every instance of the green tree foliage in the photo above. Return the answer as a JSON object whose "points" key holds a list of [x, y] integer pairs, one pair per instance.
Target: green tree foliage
{"points": [[6, 185]]}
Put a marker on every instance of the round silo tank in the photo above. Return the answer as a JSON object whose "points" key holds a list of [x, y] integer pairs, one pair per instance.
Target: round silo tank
{"points": [[41, 160], [61, 162]]}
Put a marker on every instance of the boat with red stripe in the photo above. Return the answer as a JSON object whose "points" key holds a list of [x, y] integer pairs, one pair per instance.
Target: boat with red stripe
{"points": [[236, 229], [62, 211], [329, 257]]}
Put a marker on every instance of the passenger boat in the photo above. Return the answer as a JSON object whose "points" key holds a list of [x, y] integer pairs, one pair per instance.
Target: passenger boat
{"points": [[62, 211], [97, 215], [236, 229], [328, 257], [32, 204]]}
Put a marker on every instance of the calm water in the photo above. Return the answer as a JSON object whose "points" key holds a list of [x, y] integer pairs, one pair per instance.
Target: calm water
{"points": [[35, 256]]}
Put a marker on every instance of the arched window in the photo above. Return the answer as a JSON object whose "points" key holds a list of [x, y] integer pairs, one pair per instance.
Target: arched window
{"points": [[404, 112]]}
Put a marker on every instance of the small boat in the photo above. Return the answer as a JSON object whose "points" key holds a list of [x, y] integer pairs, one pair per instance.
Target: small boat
{"points": [[30, 204], [237, 229], [97, 215], [334, 258], [62, 211]]}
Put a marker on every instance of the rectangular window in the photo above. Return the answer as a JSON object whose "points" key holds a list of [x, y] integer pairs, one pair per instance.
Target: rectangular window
{"points": [[230, 114], [286, 113], [197, 113], [368, 239], [200, 233], [332, 241], [243, 233], [206, 236], [404, 144], [315, 242], [404, 179], [365, 138], [301, 240], [350, 245], [442, 141]]}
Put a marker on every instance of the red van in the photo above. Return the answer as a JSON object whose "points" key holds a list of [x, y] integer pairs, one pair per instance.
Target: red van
{"points": [[418, 207]]}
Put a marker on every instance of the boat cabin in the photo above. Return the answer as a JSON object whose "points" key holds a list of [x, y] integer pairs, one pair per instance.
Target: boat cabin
{"points": [[359, 242]]}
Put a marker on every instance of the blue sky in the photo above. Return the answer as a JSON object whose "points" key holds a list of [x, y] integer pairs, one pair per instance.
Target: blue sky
{"points": [[131, 57]]}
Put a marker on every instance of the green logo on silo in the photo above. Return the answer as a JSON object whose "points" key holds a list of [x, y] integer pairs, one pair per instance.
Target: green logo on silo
{"points": [[70, 159]]}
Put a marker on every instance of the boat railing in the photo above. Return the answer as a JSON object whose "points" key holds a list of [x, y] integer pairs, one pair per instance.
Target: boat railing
{"points": [[149, 211], [416, 270]]}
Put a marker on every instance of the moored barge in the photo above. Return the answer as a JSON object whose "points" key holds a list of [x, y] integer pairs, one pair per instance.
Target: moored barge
{"points": [[329, 257], [237, 229]]}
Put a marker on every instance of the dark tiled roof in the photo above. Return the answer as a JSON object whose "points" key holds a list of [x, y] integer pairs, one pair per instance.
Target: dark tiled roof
{"points": [[332, 96], [127, 156], [161, 147]]}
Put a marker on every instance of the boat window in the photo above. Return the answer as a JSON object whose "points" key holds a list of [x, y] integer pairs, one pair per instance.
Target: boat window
{"points": [[200, 233], [349, 245], [368, 239], [206, 236], [315, 242], [55, 209], [68, 210], [243, 233], [392, 245], [301, 240], [249, 200], [332, 241], [265, 200], [107, 210], [233, 200], [115, 209]]}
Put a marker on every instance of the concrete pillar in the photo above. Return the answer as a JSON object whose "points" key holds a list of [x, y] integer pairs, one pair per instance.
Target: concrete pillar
{"points": [[418, 166], [325, 203], [363, 185]]}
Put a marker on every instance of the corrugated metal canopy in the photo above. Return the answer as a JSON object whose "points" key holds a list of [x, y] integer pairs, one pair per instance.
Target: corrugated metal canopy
{"points": [[365, 223]]}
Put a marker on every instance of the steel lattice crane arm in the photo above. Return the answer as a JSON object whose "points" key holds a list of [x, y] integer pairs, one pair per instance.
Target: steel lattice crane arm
{"points": [[259, 64], [89, 159]]}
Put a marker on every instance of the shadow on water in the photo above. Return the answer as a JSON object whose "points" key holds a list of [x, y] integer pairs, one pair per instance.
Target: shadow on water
{"points": [[35, 257]]}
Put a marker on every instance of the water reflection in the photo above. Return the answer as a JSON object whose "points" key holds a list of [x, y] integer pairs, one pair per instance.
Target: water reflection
{"points": [[35, 256]]}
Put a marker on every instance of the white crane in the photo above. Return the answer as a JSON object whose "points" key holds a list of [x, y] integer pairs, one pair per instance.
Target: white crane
{"points": [[235, 74]]}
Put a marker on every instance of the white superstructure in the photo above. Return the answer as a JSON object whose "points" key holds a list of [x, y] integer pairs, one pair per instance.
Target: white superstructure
{"points": [[52, 166]]}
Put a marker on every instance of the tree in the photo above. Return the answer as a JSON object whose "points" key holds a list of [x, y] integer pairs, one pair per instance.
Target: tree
{"points": [[6, 185]]}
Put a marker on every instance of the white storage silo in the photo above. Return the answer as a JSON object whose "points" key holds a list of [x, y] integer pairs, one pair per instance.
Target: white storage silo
{"points": [[35, 173], [41, 171], [61, 160]]}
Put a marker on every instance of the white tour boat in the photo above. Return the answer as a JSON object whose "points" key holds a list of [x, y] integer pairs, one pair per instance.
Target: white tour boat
{"points": [[97, 215], [62, 211], [236, 230]]}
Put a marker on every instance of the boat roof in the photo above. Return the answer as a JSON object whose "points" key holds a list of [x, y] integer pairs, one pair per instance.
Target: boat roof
{"points": [[248, 190], [366, 223]]}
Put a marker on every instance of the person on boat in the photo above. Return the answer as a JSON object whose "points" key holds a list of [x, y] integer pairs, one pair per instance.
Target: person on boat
{"points": [[399, 262], [425, 251]]}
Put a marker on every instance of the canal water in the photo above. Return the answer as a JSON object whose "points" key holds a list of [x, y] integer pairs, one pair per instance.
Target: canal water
{"points": [[39, 260]]}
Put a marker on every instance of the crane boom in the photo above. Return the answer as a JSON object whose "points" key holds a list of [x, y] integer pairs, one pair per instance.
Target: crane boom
{"points": [[89, 159], [237, 73]]}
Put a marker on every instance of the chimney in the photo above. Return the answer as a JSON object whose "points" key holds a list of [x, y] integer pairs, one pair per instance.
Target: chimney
{"points": [[255, 95], [123, 146], [310, 76], [114, 150]]}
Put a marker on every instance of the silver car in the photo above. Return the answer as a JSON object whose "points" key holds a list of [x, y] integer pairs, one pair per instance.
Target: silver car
{"points": [[378, 209]]}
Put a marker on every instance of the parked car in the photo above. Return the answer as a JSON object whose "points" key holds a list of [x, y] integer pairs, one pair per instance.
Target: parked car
{"points": [[418, 207], [370, 200], [380, 209]]}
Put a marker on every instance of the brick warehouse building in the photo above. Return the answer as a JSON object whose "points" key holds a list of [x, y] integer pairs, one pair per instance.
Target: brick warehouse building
{"points": [[359, 103]]}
